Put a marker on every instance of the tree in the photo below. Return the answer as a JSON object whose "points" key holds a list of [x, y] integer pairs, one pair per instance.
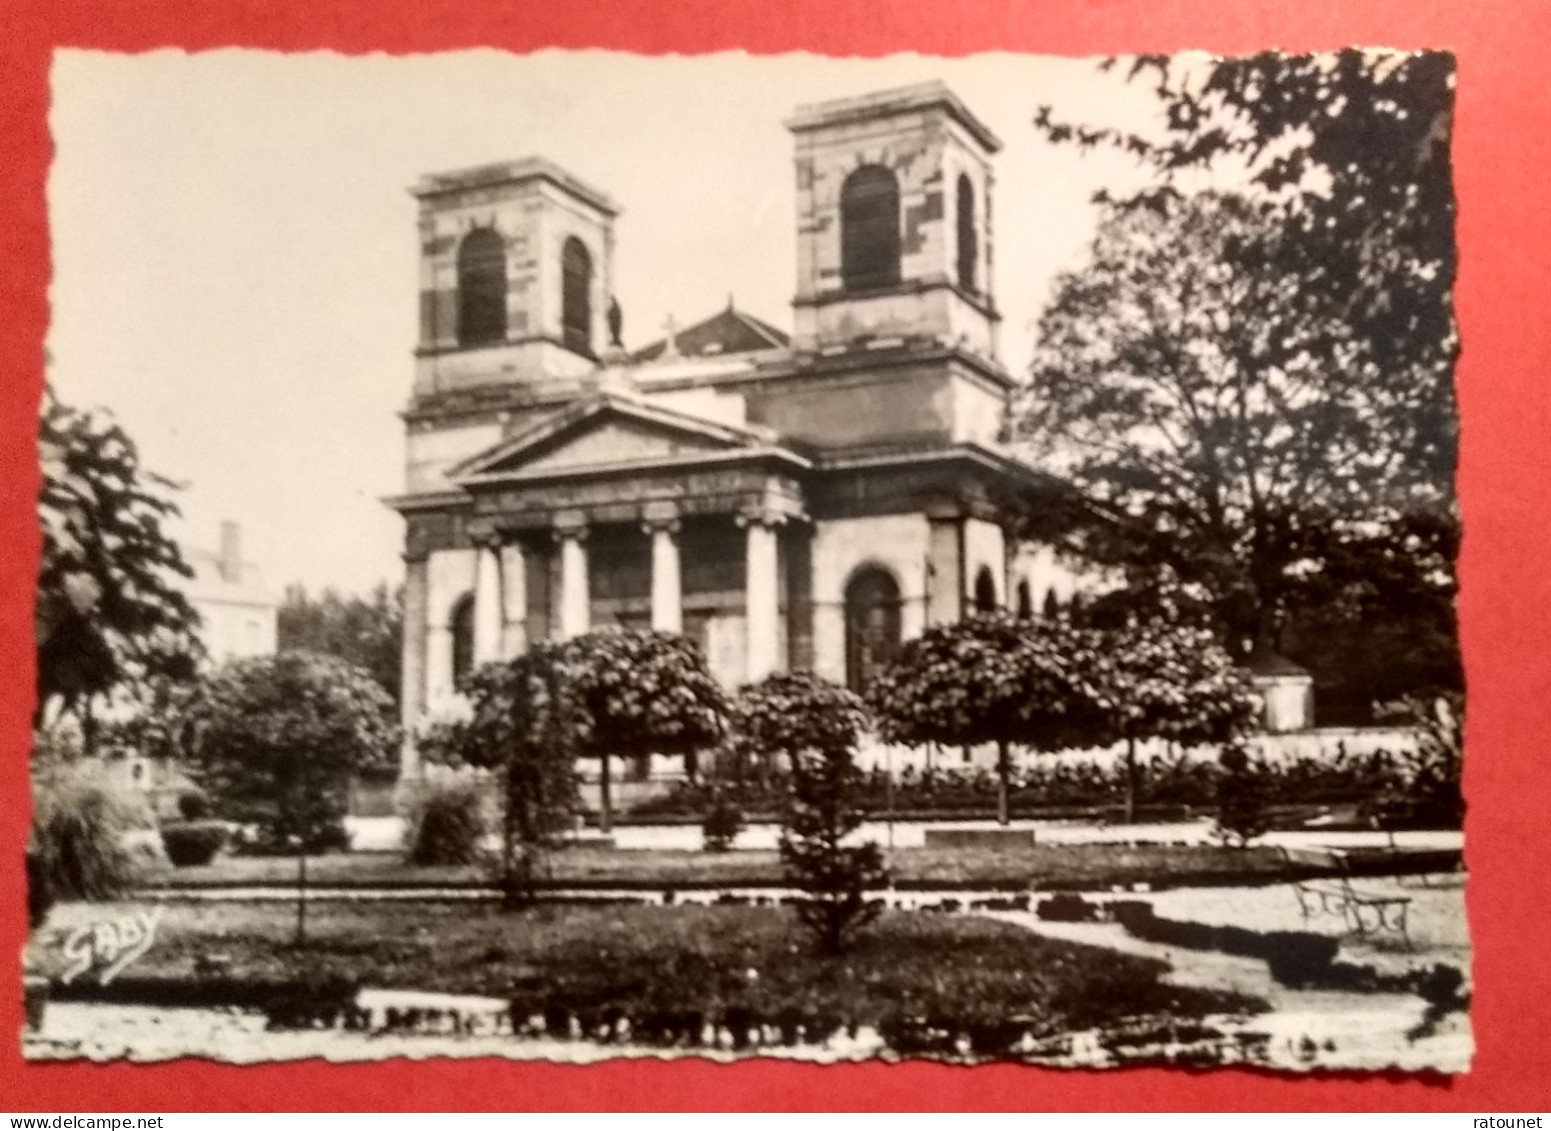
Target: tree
{"points": [[365, 631], [1237, 382], [640, 693], [816, 725], [278, 739], [524, 724], [1164, 677], [992, 679], [109, 603]]}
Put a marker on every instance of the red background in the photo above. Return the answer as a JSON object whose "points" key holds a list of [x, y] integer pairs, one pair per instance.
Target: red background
{"points": [[1500, 139]]}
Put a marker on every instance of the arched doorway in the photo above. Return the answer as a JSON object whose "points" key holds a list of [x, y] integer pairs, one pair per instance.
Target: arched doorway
{"points": [[872, 609], [985, 591]]}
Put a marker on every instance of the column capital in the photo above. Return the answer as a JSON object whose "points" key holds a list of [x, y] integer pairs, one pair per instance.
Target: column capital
{"points": [[765, 516], [660, 515], [570, 526], [486, 539]]}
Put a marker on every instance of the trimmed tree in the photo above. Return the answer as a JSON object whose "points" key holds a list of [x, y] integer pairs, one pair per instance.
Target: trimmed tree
{"points": [[642, 693], [992, 679], [523, 724], [1158, 677], [815, 726], [276, 739]]}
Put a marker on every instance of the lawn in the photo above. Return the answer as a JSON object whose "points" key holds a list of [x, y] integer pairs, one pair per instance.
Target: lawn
{"points": [[667, 969], [1051, 866]]}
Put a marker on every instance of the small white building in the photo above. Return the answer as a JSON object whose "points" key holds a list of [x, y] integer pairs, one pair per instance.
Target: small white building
{"points": [[237, 613]]}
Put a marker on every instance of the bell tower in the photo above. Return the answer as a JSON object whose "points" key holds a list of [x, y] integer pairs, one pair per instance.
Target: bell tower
{"points": [[516, 273], [894, 221]]}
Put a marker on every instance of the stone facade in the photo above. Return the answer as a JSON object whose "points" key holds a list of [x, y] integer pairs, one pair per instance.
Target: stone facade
{"points": [[802, 503]]}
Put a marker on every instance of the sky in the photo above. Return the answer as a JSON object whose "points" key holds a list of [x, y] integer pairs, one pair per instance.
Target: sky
{"points": [[236, 255]]}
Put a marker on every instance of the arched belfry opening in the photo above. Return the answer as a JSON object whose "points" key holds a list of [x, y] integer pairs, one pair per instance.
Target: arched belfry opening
{"points": [[576, 296], [481, 288], [869, 229], [969, 244], [872, 612]]}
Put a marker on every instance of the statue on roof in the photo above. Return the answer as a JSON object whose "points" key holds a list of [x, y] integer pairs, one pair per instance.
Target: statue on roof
{"points": [[616, 320]]}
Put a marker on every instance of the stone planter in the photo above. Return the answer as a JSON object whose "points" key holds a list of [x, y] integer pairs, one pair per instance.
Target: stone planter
{"points": [[35, 992]]}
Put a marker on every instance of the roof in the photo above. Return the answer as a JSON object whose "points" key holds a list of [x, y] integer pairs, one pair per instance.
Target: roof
{"points": [[210, 582], [704, 437], [1264, 662], [728, 331], [511, 173], [889, 104]]}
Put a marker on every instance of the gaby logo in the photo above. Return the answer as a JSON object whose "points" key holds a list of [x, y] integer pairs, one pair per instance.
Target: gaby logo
{"points": [[110, 946]]}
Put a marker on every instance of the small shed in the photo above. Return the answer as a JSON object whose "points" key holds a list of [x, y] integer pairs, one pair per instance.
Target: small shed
{"points": [[1286, 691]]}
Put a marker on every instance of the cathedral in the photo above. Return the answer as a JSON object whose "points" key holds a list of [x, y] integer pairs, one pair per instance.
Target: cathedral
{"points": [[791, 501]]}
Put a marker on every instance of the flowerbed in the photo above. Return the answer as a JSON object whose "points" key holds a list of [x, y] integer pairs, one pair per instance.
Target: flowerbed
{"points": [[1170, 783], [671, 976], [1048, 866]]}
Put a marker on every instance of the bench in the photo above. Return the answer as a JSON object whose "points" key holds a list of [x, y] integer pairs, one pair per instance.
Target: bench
{"points": [[1364, 912]]}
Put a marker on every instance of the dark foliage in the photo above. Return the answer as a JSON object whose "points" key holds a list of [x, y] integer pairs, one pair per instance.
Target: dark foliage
{"points": [[446, 826], [193, 805], [814, 726], [278, 740], [524, 726], [722, 824], [79, 828], [1242, 814], [366, 632], [642, 692], [40, 889], [109, 607], [1285, 460], [193, 844], [1295, 958]]}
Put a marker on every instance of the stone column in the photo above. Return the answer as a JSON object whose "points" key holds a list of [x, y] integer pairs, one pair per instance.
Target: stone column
{"points": [[662, 524], [575, 598], [412, 695], [514, 601], [763, 595], [487, 604]]}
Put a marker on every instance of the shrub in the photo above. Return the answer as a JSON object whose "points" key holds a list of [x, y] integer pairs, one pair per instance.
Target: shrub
{"points": [[80, 830], [193, 844], [723, 822], [1241, 799], [194, 805], [816, 725], [1066, 907], [446, 826]]}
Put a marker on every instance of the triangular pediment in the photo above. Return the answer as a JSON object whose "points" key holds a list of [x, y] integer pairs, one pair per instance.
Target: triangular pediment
{"points": [[603, 433]]}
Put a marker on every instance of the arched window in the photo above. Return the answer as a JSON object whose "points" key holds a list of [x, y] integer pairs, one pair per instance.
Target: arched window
{"points": [[872, 625], [985, 591], [969, 248], [1052, 603], [576, 296], [462, 638], [481, 288], [1025, 600], [869, 229]]}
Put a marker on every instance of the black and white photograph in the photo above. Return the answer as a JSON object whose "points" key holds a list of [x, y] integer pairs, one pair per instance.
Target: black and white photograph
{"points": [[582, 555]]}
